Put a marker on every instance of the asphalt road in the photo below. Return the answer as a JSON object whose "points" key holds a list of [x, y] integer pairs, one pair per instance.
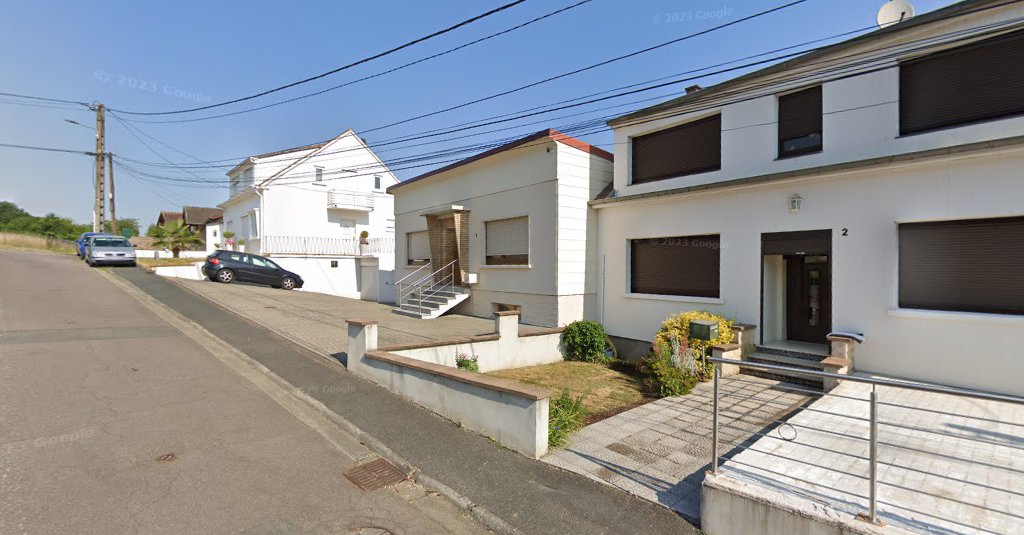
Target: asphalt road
{"points": [[113, 421]]}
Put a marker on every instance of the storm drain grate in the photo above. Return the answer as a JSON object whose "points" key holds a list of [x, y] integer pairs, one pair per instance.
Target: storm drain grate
{"points": [[374, 475]]}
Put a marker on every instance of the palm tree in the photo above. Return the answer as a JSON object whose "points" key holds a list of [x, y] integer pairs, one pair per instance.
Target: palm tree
{"points": [[174, 235]]}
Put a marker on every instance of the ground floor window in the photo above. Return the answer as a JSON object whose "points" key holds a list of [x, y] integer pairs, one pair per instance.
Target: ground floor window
{"points": [[503, 307], [417, 248], [678, 265], [508, 242], [971, 265]]}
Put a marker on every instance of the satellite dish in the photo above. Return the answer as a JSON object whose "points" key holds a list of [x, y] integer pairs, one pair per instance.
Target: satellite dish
{"points": [[894, 12]]}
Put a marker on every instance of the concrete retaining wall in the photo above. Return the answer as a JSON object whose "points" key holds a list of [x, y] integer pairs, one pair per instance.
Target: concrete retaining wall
{"points": [[193, 272], [504, 349], [154, 253], [513, 414]]}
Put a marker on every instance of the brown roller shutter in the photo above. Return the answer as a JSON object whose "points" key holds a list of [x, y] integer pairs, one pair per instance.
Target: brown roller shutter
{"points": [[974, 265], [977, 82], [800, 122], [684, 265], [694, 147], [799, 242]]}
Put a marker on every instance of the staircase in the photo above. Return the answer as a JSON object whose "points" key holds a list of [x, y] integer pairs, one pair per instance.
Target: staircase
{"points": [[805, 358], [428, 294]]}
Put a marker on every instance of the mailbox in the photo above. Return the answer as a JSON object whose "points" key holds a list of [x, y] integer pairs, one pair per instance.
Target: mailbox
{"points": [[703, 330]]}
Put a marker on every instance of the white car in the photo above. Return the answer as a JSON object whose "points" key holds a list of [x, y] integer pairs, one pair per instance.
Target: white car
{"points": [[109, 250]]}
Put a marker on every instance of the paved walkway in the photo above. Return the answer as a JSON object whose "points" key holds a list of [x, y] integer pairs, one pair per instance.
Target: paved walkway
{"points": [[531, 496], [947, 464], [660, 451], [318, 320]]}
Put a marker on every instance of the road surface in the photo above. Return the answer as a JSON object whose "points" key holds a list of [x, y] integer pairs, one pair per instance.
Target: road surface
{"points": [[113, 421]]}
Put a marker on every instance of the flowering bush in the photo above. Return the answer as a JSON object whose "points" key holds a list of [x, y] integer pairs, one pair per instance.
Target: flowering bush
{"points": [[677, 327], [468, 362]]}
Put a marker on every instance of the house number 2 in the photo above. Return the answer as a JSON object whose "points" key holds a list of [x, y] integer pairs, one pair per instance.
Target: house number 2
{"points": [[846, 232]]}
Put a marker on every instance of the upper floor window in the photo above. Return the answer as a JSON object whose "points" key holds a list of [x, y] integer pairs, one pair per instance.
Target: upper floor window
{"points": [[680, 265], [319, 174], [695, 147], [376, 181], [970, 265], [508, 242], [800, 122], [977, 82]]}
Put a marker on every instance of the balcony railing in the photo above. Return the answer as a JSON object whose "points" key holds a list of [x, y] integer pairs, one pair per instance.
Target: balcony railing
{"points": [[350, 200], [311, 245]]}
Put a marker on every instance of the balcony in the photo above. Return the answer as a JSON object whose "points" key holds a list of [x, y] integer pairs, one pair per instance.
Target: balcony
{"points": [[350, 200], [322, 246]]}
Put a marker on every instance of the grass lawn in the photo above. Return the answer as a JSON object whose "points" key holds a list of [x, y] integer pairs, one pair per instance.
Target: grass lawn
{"points": [[151, 263], [606, 390]]}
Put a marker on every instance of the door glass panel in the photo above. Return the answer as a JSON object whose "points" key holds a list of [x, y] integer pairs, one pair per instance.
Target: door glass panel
{"points": [[813, 298]]}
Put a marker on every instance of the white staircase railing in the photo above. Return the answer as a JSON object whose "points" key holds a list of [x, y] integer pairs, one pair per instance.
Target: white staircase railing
{"points": [[422, 288]]}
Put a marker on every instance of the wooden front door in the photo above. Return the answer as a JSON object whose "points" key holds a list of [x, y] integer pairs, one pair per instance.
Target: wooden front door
{"points": [[450, 253], [808, 298]]}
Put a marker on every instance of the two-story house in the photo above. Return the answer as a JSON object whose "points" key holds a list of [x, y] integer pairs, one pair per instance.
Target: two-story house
{"points": [[506, 229], [309, 207], [873, 186]]}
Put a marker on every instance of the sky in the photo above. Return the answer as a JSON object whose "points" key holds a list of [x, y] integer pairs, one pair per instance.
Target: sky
{"points": [[166, 56]]}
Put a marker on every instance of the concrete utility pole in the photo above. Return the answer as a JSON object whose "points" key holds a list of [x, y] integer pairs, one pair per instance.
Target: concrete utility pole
{"points": [[97, 212], [113, 210]]}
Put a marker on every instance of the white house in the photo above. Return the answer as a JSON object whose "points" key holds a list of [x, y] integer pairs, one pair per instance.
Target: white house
{"points": [[870, 187], [513, 224], [308, 207]]}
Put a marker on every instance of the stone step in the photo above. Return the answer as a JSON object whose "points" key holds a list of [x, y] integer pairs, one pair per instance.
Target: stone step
{"points": [[806, 355], [805, 363]]}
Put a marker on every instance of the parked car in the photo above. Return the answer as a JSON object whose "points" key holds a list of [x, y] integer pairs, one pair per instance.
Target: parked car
{"points": [[229, 266], [107, 249], [83, 240]]}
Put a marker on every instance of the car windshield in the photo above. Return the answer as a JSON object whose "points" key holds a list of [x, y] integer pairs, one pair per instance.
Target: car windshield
{"points": [[110, 242]]}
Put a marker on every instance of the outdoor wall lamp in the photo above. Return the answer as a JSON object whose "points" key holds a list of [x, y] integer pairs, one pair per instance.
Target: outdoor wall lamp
{"points": [[794, 204]]}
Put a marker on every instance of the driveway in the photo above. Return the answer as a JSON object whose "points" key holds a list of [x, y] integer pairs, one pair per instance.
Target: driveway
{"points": [[317, 320]]}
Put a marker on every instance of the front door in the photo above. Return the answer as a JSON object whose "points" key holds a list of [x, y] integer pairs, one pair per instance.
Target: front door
{"points": [[450, 253], [808, 298]]}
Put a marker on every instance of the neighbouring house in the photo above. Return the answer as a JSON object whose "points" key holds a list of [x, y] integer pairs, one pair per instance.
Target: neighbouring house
{"points": [[167, 216], [870, 187], [505, 230], [205, 222], [308, 206]]}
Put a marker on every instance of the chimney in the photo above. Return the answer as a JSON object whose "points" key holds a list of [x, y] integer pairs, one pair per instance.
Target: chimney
{"points": [[693, 89]]}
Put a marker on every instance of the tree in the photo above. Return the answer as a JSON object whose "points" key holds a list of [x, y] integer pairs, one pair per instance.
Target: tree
{"points": [[175, 235], [128, 223]]}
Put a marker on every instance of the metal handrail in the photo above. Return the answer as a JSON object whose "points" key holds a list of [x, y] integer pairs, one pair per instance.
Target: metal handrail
{"points": [[872, 514], [401, 280], [421, 288]]}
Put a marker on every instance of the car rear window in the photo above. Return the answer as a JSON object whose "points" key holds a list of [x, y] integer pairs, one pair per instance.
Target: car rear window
{"points": [[110, 242]]}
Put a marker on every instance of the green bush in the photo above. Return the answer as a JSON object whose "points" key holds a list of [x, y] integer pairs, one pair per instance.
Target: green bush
{"points": [[468, 362], [565, 415], [586, 341], [678, 327], [665, 372]]}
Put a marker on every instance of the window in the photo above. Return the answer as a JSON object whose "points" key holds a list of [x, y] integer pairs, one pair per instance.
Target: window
{"points": [[263, 262], [214, 233], [694, 147], [800, 122], [334, 263], [319, 174], [417, 249], [508, 242], [348, 228], [376, 181], [239, 257], [977, 82], [253, 229], [971, 265], [504, 307], [681, 265]]}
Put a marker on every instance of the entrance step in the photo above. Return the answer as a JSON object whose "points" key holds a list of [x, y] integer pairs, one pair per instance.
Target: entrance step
{"points": [[789, 359], [433, 306]]}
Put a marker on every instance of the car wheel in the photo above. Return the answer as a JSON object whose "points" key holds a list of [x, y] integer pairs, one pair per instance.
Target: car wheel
{"points": [[288, 283], [225, 275], [212, 278]]}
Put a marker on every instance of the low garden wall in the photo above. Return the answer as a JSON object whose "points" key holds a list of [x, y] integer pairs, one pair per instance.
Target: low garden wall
{"points": [[157, 253], [504, 349], [512, 413], [192, 272]]}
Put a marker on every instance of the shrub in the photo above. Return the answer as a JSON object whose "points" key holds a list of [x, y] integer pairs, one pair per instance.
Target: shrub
{"points": [[565, 415], [669, 370], [678, 327], [467, 362], [586, 341]]}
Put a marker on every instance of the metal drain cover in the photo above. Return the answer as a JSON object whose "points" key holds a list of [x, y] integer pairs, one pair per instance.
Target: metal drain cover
{"points": [[374, 475]]}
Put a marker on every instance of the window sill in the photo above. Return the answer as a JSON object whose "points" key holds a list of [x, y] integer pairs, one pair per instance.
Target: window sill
{"points": [[513, 266], [949, 315], [797, 155], [317, 184], [676, 298]]}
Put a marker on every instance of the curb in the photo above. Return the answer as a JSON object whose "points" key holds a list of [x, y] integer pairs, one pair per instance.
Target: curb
{"points": [[479, 513]]}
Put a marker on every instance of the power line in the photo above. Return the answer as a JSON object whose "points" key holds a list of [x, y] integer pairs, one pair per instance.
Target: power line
{"points": [[47, 149], [44, 99], [372, 76], [339, 69]]}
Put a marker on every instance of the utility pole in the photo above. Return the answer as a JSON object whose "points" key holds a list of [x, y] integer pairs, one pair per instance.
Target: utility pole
{"points": [[113, 210], [97, 213]]}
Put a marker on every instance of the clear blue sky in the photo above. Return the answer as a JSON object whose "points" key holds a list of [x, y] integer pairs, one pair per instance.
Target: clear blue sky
{"points": [[94, 51]]}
